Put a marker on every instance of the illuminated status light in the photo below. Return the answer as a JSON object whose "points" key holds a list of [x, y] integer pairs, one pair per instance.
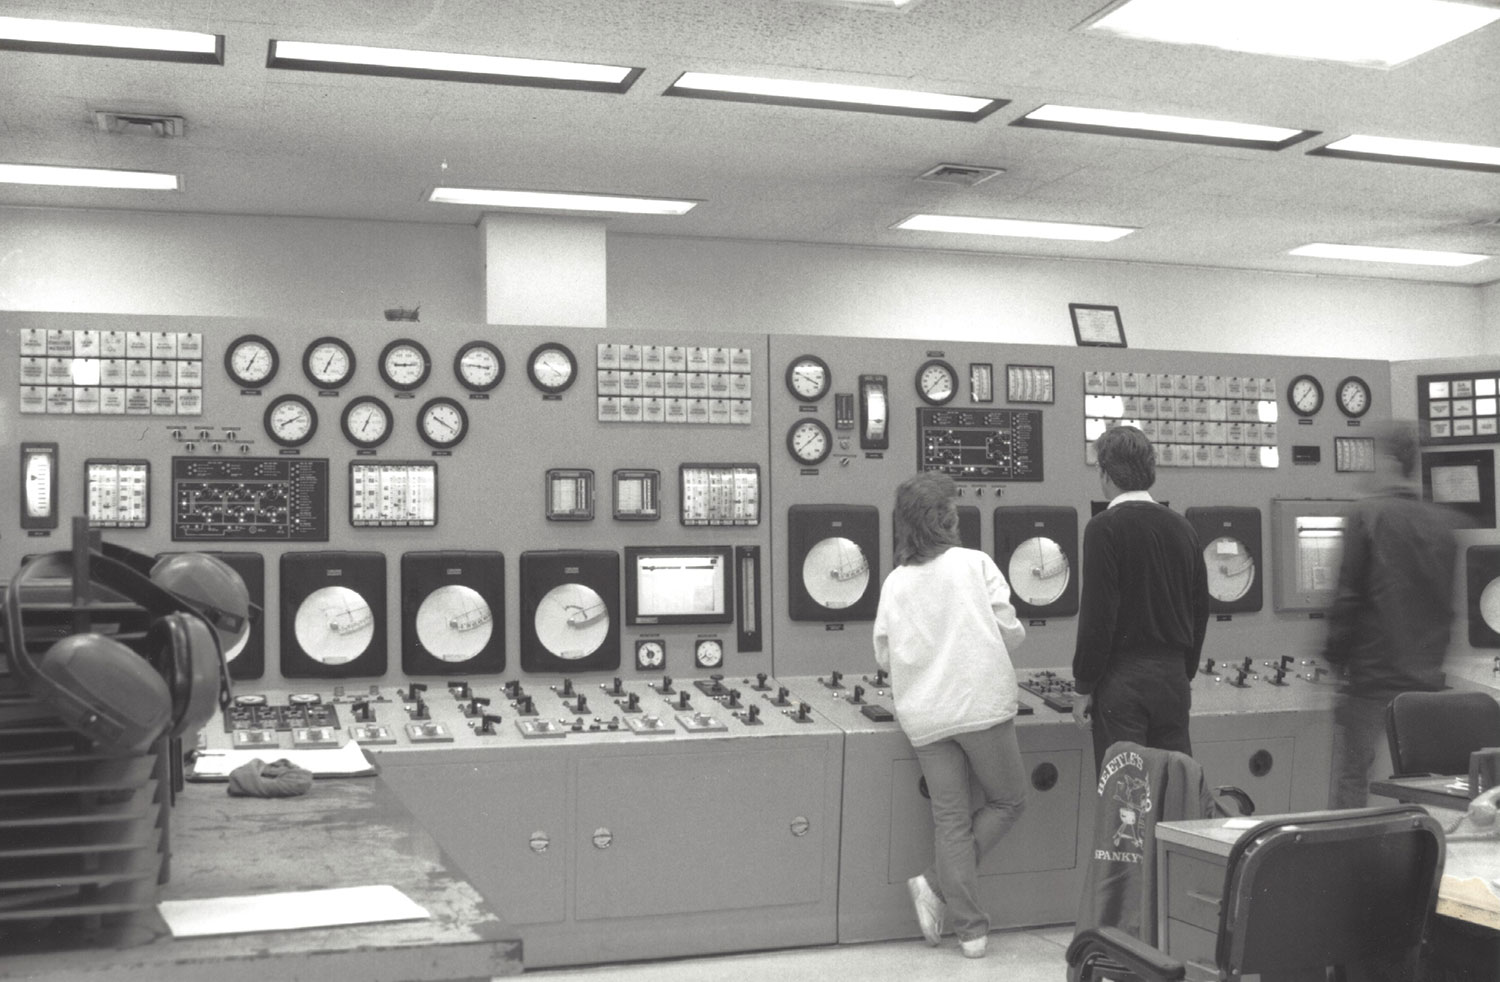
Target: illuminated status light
{"points": [[1376, 33], [831, 94], [88, 177], [315, 55], [1378, 254], [1420, 151], [28, 34], [1013, 227], [560, 201], [1155, 123]]}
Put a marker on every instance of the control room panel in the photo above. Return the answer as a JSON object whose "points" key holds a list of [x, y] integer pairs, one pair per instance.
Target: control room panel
{"points": [[419, 507]]}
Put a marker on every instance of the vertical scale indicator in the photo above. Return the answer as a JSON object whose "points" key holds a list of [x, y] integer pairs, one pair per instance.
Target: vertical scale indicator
{"points": [[747, 596], [39, 486]]}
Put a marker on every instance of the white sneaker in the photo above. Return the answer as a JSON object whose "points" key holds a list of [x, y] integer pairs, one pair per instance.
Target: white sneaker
{"points": [[974, 947], [930, 909]]}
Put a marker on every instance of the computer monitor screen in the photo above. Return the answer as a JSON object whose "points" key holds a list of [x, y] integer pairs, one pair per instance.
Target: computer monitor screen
{"points": [[678, 585]]}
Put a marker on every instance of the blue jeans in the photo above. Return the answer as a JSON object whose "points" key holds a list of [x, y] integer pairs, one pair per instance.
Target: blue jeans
{"points": [[989, 761]]}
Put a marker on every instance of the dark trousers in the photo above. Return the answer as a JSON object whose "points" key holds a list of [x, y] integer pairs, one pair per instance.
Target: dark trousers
{"points": [[1144, 699]]}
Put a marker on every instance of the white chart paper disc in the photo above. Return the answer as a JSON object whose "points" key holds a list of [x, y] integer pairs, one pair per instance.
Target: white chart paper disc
{"points": [[1489, 604], [835, 573], [454, 623], [1231, 571], [571, 621], [334, 625], [1039, 571]]}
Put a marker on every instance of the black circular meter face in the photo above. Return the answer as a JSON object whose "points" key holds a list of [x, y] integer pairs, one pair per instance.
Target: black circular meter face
{"points": [[404, 364], [328, 363], [1354, 396], [1305, 395], [552, 368], [479, 366], [251, 361]]}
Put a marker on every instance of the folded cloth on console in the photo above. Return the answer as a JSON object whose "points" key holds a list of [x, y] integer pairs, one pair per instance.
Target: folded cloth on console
{"points": [[278, 779]]}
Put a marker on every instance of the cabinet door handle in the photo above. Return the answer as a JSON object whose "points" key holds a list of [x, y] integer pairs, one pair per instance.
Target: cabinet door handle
{"points": [[1204, 898]]}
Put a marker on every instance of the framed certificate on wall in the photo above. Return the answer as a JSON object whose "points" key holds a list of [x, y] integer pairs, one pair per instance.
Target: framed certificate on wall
{"points": [[1097, 325]]}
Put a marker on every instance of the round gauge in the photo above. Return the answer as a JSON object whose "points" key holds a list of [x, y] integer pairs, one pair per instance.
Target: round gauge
{"points": [[708, 653], [334, 625], [454, 623], [650, 653], [251, 361], [1489, 604], [328, 363], [937, 382], [552, 368], [291, 420], [809, 441], [1231, 570], [442, 423], [571, 621], [1305, 395], [367, 422], [479, 366], [835, 573], [808, 378], [1039, 571], [404, 364], [1354, 396]]}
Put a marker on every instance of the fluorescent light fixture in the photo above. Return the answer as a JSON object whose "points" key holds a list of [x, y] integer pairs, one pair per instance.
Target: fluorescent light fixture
{"points": [[353, 59], [560, 201], [833, 95], [88, 177], [1376, 33], [1378, 254], [1460, 156], [1154, 126], [109, 41], [1013, 227]]}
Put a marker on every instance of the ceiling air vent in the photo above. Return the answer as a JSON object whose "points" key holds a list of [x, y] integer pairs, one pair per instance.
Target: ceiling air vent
{"points": [[139, 124], [960, 175]]}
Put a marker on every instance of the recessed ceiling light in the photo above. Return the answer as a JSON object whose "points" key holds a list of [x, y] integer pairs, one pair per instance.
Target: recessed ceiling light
{"points": [[88, 177], [1013, 227], [110, 41], [1378, 33], [560, 201], [314, 56], [1460, 156], [1378, 254], [1154, 126], [833, 95]]}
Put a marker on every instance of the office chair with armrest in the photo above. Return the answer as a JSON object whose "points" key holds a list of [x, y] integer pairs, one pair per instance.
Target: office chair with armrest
{"points": [[1434, 732], [1304, 893]]}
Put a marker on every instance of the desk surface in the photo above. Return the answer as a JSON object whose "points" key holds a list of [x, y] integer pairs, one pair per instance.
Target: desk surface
{"points": [[1437, 791], [1469, 890], [345, 832]]}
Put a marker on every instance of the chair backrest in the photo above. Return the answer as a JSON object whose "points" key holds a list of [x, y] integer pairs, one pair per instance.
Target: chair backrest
{"points": [[1330, 888], [1434, 732]]}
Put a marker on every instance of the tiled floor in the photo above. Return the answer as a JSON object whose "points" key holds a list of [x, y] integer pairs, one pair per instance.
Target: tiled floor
{"points": [[1034, 955]]}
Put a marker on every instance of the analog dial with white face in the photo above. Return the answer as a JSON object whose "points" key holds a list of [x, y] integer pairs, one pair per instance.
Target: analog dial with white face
{"points": [[809, 441], [479, 366], [1231, 569], [708, 653], [442, 423], [1354, 396], [251, 361], [1305, 395], [937, 382], [1039, 571], [650, 653], [291, 421], [836, 573], [552, 368], [571, 621], [328, 363], [808, 378], [367, 422], [404, 364]]}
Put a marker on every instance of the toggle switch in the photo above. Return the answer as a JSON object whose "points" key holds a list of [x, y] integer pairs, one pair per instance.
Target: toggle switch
{"points": [[835, 680], [858, 697], [682, 700], [665, 685], [419, 710], [525, 706], [459, 689], [616, 689], [751, 716], [882, 678], [567, 688], [781, 697], [487, 724], [761, 686], [632, 703], [362, 711], [513, 689], [476, 706], [580, 705], [803, 714], [732, 701]]}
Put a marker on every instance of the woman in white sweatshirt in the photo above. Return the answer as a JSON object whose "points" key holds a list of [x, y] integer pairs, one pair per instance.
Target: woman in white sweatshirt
{"points": [[944, 631]]}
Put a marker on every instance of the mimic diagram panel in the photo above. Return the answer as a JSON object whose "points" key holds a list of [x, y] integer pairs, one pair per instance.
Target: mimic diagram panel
{"points": [[249, 499], [981, 444]]}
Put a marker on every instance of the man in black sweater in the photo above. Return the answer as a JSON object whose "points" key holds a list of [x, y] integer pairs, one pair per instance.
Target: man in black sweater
{"points": [[1144, 609]]}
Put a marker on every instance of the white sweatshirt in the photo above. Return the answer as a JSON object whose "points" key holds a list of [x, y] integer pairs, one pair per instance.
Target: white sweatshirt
{"points": [[944, 630]]}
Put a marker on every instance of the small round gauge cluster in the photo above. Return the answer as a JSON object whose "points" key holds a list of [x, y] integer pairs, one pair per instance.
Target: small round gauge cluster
{"points": [[404, 365]]}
